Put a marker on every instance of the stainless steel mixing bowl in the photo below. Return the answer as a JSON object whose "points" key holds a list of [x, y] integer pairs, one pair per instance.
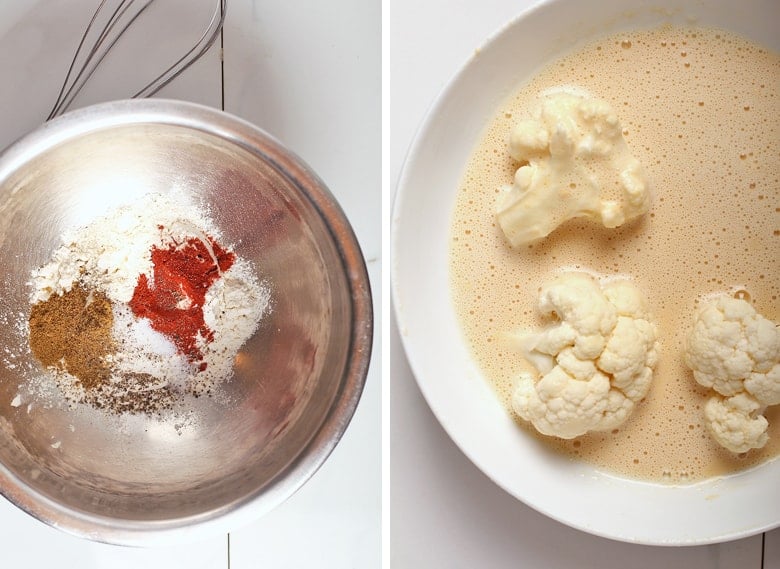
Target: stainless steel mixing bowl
{"points": [[145, 480]]}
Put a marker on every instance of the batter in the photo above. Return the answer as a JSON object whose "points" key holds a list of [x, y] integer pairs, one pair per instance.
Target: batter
{"points": [[701, 111]]}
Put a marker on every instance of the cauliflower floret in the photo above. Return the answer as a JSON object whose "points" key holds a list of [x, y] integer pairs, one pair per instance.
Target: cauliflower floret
{"points": [[736, 423], [595, 365], [575, 164], [735, 351]]}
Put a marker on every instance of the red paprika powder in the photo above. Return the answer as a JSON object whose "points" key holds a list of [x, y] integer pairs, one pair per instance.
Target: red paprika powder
{"points": [[173, 301]]}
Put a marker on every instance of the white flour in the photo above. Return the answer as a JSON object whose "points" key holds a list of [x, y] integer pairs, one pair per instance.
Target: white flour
{"points": [[112, 251], [233, 319]]}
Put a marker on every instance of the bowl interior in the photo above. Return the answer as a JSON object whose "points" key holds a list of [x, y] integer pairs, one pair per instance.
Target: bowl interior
{"points": [[574, 493], [229, 447]]}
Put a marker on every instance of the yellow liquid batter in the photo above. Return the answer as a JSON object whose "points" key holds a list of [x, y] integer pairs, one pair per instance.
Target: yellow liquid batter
{"points": [[700, 109]]}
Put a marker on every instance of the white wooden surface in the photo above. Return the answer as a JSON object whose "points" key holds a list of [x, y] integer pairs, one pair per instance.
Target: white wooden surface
{"points": [[310, 74], [444, 512]]}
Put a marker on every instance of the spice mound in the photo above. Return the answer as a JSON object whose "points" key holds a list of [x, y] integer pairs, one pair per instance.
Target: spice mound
{"points": [[143, 306]]}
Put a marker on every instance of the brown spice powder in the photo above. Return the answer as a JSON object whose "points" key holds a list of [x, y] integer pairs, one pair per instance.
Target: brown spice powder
{"points": [[72, 332]]}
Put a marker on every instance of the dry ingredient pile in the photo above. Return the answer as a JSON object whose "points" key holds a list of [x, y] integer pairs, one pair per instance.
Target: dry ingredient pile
{"points": [[142, 306]]}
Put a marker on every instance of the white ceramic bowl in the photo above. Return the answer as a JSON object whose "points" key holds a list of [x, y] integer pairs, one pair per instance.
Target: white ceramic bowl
{"points": [[573, 493]]}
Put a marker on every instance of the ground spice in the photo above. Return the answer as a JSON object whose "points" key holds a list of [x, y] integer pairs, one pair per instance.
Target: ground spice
{"points": [[131, 393], [72, 332], [173, 302]]}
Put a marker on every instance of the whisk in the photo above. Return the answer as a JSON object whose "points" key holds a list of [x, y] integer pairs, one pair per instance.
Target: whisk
{"points": [[124, 14]]}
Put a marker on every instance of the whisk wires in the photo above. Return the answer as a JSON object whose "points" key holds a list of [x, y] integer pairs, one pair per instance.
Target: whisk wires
{"points": [[86, 61]]}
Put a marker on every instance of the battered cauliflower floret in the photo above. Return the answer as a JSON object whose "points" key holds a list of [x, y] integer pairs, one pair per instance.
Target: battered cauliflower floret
{"points": [[594, 365], [575, 164], [735, 351]]}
